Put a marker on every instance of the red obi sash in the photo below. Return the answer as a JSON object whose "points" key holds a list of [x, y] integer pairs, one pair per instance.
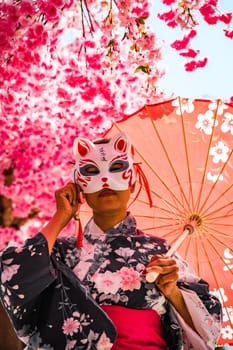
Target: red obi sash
{"points": [[136, 329]]}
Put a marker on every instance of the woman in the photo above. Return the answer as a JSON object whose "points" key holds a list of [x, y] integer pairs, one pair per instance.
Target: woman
{"points": [[60, 296]]}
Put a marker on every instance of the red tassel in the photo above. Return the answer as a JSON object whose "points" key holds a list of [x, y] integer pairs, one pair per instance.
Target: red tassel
{"points": [[80, 235], [143, 181], [78, 229]]}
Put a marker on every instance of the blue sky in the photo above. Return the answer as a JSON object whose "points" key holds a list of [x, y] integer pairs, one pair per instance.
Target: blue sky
{"points": [[213, 81]]}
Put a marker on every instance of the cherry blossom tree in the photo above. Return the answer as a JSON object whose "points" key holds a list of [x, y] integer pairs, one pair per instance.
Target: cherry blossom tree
{"points": [[68, 68], [73, 67]]}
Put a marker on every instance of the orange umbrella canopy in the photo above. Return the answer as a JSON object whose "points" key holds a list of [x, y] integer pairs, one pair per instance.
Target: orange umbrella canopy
{"points": [[185, 149]]}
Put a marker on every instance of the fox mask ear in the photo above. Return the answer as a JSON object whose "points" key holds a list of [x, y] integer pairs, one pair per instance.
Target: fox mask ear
{"points": [[120, 142], [82, 147]]}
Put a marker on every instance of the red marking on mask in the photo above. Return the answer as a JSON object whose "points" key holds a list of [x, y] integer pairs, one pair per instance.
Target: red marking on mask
{"points": [[105, 186], [83, 148], [120, 145]]}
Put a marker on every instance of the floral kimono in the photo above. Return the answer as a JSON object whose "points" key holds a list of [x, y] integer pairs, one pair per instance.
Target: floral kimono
{"points": [[55, 300]]}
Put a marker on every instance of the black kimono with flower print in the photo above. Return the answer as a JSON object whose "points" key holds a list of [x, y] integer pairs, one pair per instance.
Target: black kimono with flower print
{"points": [[54, 300]]}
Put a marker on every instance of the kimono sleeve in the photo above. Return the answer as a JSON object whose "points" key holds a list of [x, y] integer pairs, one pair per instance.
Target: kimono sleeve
{"points": [[25, 272], [204, 308], [44, 298]]}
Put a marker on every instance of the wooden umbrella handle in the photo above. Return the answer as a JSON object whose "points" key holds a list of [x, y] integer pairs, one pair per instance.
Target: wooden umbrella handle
{"points": [[151, 276]]}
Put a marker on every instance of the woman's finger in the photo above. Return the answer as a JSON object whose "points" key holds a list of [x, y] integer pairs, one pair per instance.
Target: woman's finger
{"points": [[164, 279], [161, 260]]}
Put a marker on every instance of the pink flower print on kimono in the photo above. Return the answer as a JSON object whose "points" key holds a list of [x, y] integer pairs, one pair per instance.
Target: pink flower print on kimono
{"points": [[126, 279], [70, 326], [104, 343], [86, 260], [9, 271], [130, 279], [107, 282], [7, 274]]}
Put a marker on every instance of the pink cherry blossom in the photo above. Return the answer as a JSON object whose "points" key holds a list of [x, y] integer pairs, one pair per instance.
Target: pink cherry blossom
{"points": [[192, 65], [228, 33]]}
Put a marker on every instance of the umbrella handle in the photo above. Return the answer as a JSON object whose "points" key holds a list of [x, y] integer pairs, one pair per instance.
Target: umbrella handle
{"points": [[151, 276]]}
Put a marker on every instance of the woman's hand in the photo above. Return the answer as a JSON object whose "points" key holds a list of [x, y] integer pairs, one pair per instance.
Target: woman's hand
{"points": [[67, 200], [168, 276], [166, 282]]}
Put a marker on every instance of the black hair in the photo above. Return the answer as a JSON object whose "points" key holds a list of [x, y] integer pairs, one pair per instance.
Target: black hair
{"points": [[101, 141]]}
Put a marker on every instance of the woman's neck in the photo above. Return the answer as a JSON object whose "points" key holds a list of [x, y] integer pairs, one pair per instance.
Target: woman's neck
{"points": [[105, 222]]}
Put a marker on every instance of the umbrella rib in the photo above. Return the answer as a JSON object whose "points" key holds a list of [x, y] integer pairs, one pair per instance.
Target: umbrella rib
{"points": [[158, 227], [197, 255], [207, 159], [172, 207], [160, 179], [173, 231], [221, 241], [145, 216], [217, 210], [212, 188], [170, 214], [187, 248], [186, 152], [221, 217], [222, 234], [169, 161]]}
